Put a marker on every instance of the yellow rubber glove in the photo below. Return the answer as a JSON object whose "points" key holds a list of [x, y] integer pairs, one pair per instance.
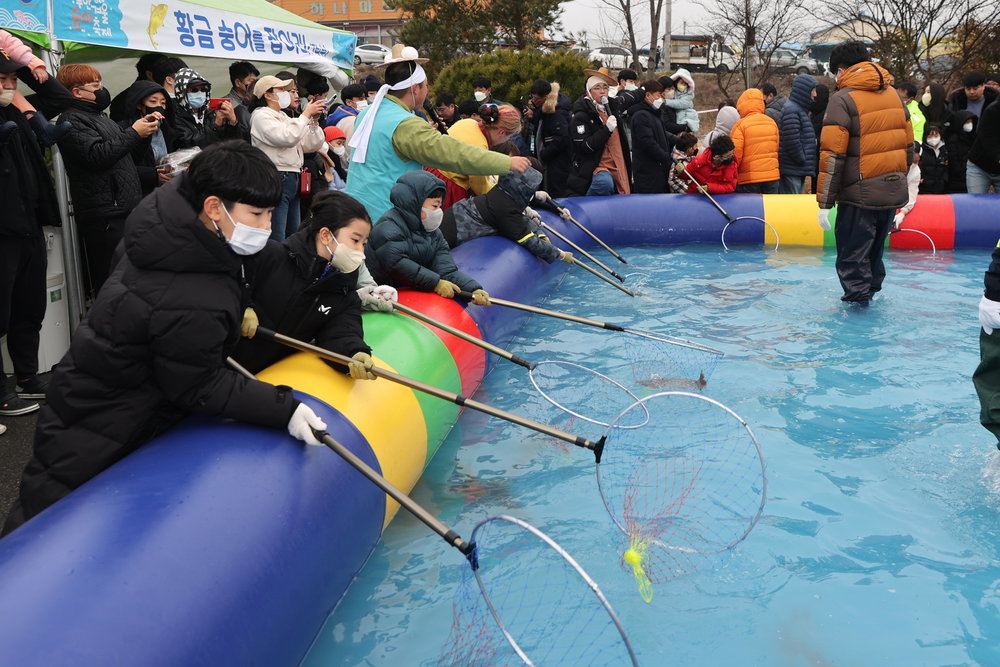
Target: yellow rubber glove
{"points": [[250, 323], [480, 297], [447, 289], [679, 167], [567, 257], [360, 368]]}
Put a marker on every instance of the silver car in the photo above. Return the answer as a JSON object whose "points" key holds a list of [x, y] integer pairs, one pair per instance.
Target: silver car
{"points": [[370, 54]]}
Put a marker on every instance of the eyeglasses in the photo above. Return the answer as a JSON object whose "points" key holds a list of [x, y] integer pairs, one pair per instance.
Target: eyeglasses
{"points": [[600, 86]]}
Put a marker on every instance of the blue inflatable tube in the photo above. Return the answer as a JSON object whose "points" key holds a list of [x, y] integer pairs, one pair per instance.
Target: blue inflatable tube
{"points": [[220, 543]]}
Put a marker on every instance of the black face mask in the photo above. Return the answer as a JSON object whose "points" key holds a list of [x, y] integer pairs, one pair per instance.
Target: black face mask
{"points": [[150, 110], [102, 99], [728, 160]]}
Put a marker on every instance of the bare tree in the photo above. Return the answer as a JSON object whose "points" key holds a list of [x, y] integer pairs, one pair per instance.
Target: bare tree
{"points": [[761, 26], [625, 18], [922, 39]]}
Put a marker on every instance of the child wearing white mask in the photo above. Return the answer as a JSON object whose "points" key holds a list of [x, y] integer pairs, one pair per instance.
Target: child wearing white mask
{"points": [[933, 162], [335, 158], [407, 246], [306, 287]]}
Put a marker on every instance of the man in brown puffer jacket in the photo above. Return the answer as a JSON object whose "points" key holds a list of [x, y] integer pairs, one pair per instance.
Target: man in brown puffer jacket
{"points": [[866, 148]]}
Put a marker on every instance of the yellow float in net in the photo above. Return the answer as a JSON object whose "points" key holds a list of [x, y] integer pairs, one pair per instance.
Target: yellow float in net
{"points": [[634, 556]]}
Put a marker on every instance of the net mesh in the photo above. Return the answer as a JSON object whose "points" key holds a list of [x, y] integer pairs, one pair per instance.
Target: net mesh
{"points": [[549, 609], [585, 394], [683, 489], [662, 363]]}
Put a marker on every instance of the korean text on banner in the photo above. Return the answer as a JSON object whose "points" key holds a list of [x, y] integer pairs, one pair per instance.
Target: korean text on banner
{"points": [[189, 29]]}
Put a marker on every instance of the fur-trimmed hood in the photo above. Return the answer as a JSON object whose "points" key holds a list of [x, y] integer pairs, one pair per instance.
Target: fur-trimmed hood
{"points": [[552, 99]]}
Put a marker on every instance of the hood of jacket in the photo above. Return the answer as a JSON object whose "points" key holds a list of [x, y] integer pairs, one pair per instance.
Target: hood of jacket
{"points": [[137, 92], [865, 76], [685, 76], [751, 101], [164, 234], [802, 88], [410, 191], [185, 77], [822, 101], [726, 118], [961, 117], [521, 187]]}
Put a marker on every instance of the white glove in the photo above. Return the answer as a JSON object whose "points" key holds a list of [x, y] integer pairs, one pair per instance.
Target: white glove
{"points": [[611, 123], [824, 218], [532, 215], [303, 421], [989, 315], [898, 220], [542, 196], [386, 293], [371, 301], [565, 214]]}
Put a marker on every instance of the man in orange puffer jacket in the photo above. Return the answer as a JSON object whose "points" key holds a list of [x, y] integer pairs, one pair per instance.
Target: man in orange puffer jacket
{"points": [[866, 148], [755, 136]]}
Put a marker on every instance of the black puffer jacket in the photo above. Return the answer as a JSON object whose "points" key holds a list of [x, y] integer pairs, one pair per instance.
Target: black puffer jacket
{"points": [[959, 144], [651, 151], [151, 351], [25, 184], [297, 293], [553, 143], [985, 152], [98, 155], [590, 135], [401, 252], [933, 170], [142, 154], [500, 212]]}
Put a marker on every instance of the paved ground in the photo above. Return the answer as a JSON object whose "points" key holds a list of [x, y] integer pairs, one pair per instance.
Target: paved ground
{"points": [[15, 450]]}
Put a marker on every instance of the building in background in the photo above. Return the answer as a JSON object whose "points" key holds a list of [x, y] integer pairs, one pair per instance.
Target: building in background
{"points": [[371, 20]]}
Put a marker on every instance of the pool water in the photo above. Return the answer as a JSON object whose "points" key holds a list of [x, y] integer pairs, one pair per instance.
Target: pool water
{"points": [[879, 541]]}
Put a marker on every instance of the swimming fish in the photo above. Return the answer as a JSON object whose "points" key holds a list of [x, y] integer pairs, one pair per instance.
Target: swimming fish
{"points": [[675, 383]]}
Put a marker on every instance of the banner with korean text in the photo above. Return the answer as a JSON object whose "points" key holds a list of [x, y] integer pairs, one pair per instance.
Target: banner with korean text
{"points": [[248, 30]]}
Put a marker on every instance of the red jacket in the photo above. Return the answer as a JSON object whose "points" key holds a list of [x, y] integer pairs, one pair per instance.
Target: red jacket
{"points": [[717, 180]]}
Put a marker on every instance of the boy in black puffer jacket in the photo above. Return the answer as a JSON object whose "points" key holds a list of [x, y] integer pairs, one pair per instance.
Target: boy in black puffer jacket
{"points": [[153, 347]]}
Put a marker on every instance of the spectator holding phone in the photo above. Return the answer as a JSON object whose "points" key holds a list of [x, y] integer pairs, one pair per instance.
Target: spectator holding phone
{"points": [[195, 123], [143, 98], [102, 176], [285, 140]]}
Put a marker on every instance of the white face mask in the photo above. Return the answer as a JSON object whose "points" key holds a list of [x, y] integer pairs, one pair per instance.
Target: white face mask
{"points": [[361, 104], [7, 96], [246, 240], [657, 103], [967, 127], [344, 259], [631, 86], [479, 95], [669, 94], [432, 218], [339, 150], [284, 99], [926, 99], [934, 142]]}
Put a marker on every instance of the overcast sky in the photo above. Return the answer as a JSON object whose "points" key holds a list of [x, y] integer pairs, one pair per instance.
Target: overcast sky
{"points": [[598, 21]]}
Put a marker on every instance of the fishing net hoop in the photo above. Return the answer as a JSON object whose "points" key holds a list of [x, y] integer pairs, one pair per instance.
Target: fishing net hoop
{"points": [[535, 381], [552, 544], [777, 241], [760, 457], [674, 340]]}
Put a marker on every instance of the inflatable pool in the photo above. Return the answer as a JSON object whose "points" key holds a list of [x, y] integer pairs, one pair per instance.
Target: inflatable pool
{"points": [[221, 543]]}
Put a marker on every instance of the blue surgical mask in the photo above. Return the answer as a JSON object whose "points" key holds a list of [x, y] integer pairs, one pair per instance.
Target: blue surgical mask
{"points": [[197, 100]]}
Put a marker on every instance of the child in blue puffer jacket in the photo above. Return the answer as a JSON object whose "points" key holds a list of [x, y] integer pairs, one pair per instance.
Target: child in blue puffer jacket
{"points": [[683, 100]]}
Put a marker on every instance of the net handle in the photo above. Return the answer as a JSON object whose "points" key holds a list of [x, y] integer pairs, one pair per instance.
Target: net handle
{"points": [[410, 505], [451, 397], [555, 546], [549, 228]]}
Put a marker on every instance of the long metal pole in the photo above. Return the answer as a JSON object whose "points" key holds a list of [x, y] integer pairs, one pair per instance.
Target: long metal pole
{"points": [[547, 227]]}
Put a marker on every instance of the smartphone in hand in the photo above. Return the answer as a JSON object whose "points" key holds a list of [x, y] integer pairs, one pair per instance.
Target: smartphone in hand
{"points": [[215, 103]]}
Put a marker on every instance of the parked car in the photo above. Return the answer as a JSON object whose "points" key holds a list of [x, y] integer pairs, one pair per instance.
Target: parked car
{"points": [[370, 54], [787, 60], [615, 58]]}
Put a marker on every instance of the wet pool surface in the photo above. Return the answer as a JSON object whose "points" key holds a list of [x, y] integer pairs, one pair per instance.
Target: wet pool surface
{"points": [[878, 544]]}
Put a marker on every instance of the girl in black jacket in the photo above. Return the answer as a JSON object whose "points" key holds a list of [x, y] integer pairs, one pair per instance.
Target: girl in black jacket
{"points": [[306, 287], [152, 349], [141, 98], [651, 150], [933, 161]]}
